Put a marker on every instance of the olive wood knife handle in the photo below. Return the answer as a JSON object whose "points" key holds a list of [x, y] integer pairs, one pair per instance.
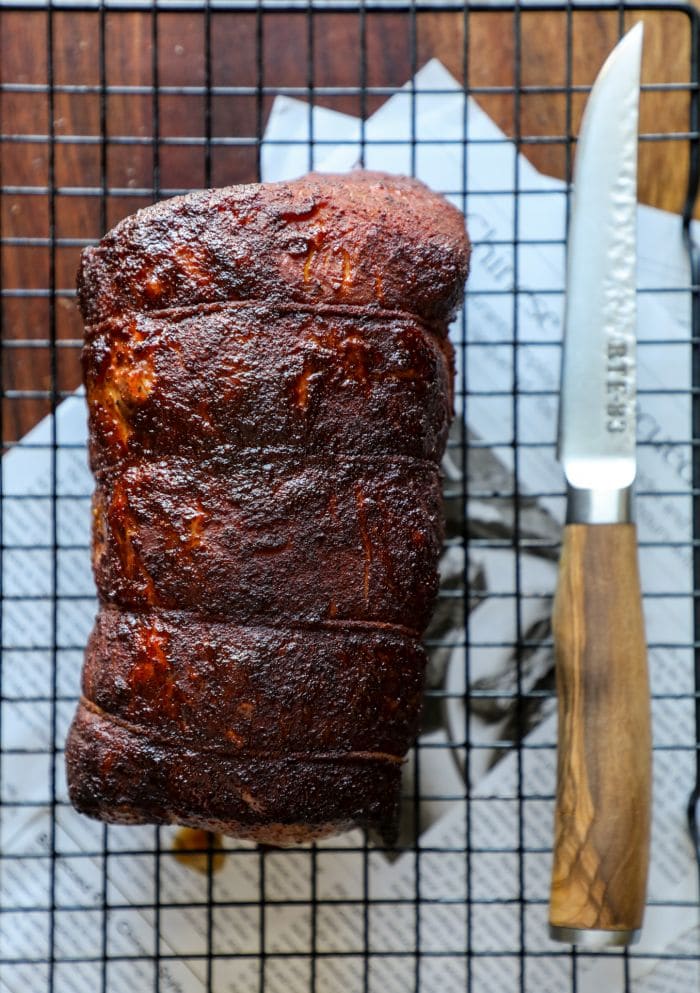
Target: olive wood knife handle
{"points": [[603, 803]]}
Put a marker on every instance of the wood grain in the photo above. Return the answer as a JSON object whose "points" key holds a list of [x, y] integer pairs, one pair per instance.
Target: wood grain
{"points": [[603, 805], [480, 50]]}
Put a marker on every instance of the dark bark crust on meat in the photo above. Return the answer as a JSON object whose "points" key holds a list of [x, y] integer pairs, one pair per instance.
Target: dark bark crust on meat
{"points": [[365, 238], [322, 539], [261, 376], [120, 775], [251, 689], [269, 385]]}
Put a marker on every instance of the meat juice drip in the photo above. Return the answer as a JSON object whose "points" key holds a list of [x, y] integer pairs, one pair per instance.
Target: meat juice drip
{"points": [[191, 847]]}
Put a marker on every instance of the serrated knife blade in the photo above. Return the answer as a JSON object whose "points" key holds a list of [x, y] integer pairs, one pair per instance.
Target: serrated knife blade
{"points": [[602, 810]]}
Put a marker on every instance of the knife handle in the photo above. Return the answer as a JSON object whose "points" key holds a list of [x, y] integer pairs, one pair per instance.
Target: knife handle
{"points": [[603, 803]]}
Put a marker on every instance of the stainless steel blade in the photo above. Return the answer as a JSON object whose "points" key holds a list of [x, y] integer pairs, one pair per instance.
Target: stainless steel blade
{"points": [[597, 423]]}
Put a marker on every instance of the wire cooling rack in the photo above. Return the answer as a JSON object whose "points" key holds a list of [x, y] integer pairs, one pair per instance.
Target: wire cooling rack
{"points": [[105, 108]]}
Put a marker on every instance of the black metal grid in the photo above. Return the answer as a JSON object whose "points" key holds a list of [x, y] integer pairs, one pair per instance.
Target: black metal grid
{"points": [[50, 337]]}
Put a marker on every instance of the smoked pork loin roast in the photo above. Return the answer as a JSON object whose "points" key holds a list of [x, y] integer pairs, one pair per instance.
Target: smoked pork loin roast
{"points": [[269, 384]]}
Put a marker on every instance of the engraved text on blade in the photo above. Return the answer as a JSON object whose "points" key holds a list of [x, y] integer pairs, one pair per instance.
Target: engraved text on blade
{"points": [[618, 286]]}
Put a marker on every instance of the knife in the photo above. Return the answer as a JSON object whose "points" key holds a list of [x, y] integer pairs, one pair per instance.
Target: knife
{"points": [[603, 800]]}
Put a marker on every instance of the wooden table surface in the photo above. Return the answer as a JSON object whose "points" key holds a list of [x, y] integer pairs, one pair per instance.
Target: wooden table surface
{"points": [[480, 50]]}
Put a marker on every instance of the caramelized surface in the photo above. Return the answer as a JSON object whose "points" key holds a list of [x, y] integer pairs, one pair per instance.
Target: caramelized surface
{"points": [[269, 389], [119, 774], [264, 376], [279, 540], [261, 690], [366, 238]]}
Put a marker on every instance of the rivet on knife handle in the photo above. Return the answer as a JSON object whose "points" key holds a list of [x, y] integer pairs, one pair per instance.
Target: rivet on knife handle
{"points": [[601, 843]]}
